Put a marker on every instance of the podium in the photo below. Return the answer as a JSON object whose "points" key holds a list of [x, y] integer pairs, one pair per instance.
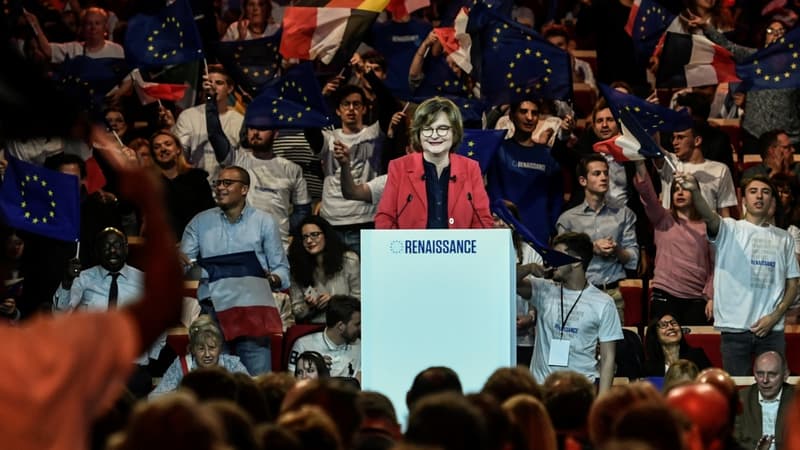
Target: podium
{"points": [[435, 298]]}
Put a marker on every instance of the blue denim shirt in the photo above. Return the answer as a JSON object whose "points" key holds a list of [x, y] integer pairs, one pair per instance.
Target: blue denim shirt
{"points": [[211, 234]]}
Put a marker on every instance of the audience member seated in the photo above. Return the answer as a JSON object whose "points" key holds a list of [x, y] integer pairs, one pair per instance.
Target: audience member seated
{"points": [[431, 381], [507, 382], [321, 266], [449, 421], [531, 426], [684, 265], [313, 427], [379, 426], [665, 345], [653, 422], [568, 397], [239, 426], [679, 373], [311, 365], [177, 421], [205, 350], [765, 404], [338, 399], [609, 407], [339, 342]]}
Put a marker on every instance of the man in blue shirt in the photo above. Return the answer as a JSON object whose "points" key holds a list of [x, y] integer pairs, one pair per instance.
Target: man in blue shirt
{"points": [[233, 227]]}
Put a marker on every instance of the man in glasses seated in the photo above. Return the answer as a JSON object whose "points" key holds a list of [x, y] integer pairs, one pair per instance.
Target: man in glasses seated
{"points": [[234, 227]]}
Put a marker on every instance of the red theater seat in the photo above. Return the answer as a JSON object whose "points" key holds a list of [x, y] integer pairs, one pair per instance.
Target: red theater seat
{"points": [[632, 291]]}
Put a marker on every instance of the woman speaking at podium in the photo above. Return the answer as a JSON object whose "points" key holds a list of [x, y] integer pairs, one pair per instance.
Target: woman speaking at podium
{"points": [[434, 187]]}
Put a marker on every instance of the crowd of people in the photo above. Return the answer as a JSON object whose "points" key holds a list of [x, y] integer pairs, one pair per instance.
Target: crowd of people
{"points": [[281, 210]]}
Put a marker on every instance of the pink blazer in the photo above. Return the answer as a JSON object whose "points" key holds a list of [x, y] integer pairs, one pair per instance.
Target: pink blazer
{"points": [[404, 203]]}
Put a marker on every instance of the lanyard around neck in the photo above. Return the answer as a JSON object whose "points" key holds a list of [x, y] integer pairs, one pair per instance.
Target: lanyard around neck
{"points": [[564, 319]]}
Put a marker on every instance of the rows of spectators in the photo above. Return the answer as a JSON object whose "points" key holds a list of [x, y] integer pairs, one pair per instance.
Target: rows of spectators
{"points": [[298, 199]]}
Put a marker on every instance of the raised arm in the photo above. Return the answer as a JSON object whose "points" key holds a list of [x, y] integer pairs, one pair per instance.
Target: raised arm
{"points": [[709, 216], [350, 190], [161, 304]]}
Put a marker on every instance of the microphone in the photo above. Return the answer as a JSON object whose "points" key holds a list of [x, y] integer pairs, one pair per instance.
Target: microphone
{"points": [[474, 209], [397, 217]]}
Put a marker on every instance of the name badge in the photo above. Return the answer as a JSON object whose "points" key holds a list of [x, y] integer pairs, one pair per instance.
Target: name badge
{"points": [[559, 353]]}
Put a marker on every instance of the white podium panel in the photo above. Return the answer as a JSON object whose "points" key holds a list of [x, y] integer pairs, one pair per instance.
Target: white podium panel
{"points": [[435, 298]]}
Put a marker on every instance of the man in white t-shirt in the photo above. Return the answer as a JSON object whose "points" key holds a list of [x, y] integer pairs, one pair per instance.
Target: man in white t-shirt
{"points": [[339, 343], [572, 316], [277, 185], [364, 143], [755, 274], [197, 127], [716, 183]]}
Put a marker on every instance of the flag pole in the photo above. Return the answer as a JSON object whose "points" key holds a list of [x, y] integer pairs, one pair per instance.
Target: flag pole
{"points": [[671, 166], [78, 248], [118, 139]]}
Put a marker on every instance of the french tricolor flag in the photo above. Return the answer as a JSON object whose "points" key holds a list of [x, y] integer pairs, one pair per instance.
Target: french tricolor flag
{"points": [[693, 60], [241, 295], [632, 144], [312, 33], [149, 92]]}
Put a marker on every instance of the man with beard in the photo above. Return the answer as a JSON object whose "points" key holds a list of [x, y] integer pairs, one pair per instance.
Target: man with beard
{"points": [[277, 184], [234, 227], [339, 343], [573, 315]]}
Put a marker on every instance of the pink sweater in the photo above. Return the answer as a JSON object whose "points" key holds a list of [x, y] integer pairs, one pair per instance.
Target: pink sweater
{"points": [[684, 265]]}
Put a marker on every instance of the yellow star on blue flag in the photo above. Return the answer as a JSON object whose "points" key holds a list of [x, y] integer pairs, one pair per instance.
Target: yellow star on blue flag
{"points": [[291, 101], [776, 66], [40, 201], [169, 37]]}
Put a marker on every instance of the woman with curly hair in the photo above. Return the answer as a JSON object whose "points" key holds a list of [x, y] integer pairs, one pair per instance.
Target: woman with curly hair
{"points": [[321, 266]]}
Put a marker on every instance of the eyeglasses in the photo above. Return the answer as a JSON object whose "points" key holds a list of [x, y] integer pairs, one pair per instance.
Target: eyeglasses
{"points": [[348, 105], [441, 131], [225, 182], [667, 323], [775, 31], [313, 235]]}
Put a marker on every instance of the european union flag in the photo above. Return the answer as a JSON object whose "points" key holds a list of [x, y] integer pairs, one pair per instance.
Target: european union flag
{"points": [[651, 116], [647, 22], [440, 80], [166, 38], [481, 146], [292, 101], [773, 67], [86, 80], [40, 201], [517, 61], [551, 257], [251, 63]]}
